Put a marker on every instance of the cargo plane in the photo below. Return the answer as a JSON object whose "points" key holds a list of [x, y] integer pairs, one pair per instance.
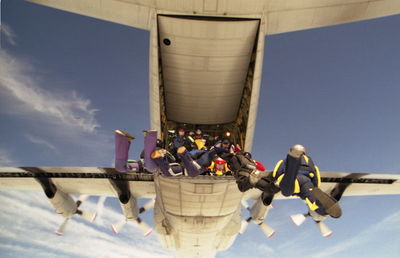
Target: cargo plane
{"points": [[207, 45]]}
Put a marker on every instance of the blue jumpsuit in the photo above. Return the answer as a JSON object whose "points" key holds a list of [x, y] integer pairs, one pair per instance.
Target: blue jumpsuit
{"points": [[298, 176]]}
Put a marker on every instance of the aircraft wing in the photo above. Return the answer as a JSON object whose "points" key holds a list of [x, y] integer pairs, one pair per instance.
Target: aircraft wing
{"points": [[294, 15], [350, 184], [100, 181], [280, 16], [361, 183], [77, 180]]}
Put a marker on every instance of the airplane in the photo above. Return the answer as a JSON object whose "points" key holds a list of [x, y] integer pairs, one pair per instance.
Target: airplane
{"points": [[215, 46]]}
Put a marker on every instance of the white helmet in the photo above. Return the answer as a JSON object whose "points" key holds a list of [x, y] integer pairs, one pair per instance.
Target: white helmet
{"points": [[297, 150]]}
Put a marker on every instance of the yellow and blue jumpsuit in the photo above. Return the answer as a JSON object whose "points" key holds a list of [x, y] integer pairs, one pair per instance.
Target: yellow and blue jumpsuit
{"points": [[225, 171], [305, 175]]}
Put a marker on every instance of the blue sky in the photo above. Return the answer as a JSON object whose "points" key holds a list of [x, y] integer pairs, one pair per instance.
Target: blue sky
{"points": [[67, 81]]}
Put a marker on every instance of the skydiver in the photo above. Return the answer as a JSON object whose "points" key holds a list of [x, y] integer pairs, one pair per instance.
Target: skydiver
{"points": [[226, 144], [154, 156], [251, 174], [198, 134], [297, 175], [190, 167], [145, 164], [219, 167], [122, 145], [180, 140], [200, 140], [213, 141]]}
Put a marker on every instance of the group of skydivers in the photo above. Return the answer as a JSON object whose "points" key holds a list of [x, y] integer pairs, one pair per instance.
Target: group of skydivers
{"points": [[196, 154]]}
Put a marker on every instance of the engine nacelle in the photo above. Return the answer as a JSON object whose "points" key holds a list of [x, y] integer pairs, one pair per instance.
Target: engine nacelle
{"points": [[258, 211], [63, 204], [130, 208]]}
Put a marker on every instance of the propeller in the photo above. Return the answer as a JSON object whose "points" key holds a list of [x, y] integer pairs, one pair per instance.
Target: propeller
{"points": [[149, 205], [244, 224], [245, 204], [267, 230], [81, 199], [116, 228], [99, 208], [144, 227], [86, 215], [61, 228], [89, 216], [298, 219], [323, 229]]}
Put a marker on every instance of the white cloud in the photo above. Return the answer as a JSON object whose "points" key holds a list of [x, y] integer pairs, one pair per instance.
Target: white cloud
{"points": [[68, 119], [69, 110], [28, 224], [391, 222], [5, 159], [40, 141], [8, 33], [263, 248]]}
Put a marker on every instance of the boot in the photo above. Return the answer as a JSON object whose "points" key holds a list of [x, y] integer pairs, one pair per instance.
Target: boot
{"points": [[330, 205], [190, 165], [122, 145]]}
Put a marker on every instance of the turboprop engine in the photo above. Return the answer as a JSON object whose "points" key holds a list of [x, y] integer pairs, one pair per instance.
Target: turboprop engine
{"points": [[258, 212], [131, 211], [63, 203], [129, 207]]}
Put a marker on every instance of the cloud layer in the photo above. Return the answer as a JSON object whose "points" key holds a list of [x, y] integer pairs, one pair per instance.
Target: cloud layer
{"points": [[55, 119], [5, 159], [365, 237], [9, 35], [40, 141], [69, 110], [28, 223]]}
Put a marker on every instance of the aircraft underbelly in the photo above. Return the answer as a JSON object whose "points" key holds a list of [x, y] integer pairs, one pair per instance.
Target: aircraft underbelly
{"points": [[197, 216]]}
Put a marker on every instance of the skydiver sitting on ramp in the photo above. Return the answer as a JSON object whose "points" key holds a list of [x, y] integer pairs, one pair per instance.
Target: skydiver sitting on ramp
{"points": [[298, 175], [218, 167], [122, 145], [191, 167], [155, 157], [181, 139]]}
